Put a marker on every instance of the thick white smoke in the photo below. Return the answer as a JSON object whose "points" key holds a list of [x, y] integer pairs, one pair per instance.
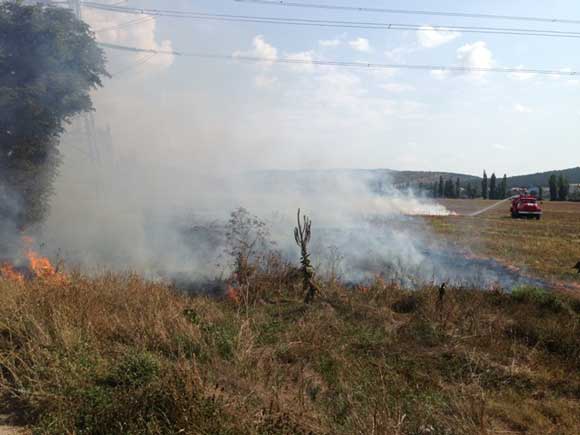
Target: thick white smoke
{"points": [[170, 156]]}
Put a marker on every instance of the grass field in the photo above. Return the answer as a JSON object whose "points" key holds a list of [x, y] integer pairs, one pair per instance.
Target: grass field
{"points": [[117, 355], [549, 247]]}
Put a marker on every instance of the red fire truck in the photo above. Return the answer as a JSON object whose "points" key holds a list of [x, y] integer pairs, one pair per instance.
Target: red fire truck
{"points": [[526, 206]]}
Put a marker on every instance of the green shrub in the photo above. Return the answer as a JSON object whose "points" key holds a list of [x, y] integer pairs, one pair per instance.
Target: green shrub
{"points": [[539, 297], [220, 338], [134, 370]]}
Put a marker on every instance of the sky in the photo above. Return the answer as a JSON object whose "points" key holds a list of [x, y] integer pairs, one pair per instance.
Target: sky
{"points": [[233, 115]]}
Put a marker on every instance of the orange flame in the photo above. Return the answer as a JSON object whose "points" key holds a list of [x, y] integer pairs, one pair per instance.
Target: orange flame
{"points": [[41, 267], [8, 273], [233, 294]]}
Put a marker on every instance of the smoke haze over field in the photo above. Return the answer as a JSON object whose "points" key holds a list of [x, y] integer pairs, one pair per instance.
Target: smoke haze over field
{"points": [[180, 143]]}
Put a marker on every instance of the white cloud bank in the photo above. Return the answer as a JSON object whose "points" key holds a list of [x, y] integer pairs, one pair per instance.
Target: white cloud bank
{"points": [[329, 43], [260, 49], [520, 75], [428, 37], [397, 88], [520, 108], [475, 56], [111, 28], [360, 44]]}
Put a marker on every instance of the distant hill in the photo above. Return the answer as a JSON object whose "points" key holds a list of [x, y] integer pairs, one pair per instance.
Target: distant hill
{"points": [[541, 178], [305, 179], [414, 178]]}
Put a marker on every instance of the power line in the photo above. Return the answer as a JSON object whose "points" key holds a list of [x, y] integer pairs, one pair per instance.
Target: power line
{"points": [[367, 65], [331, 23], [411, 12], [139, 63], [126, 24]]}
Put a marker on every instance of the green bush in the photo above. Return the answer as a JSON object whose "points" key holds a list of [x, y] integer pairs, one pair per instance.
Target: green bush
{"points": [[134, 370], [539, 297]]}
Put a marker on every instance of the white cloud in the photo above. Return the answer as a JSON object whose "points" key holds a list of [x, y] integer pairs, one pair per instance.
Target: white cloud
{"points": [[560, 76], [109, 29], [522, 76], [398, 54], [439, 74], [329, 43], [520, 108], [499, 147], [429, 37], [360, 44], [261, 49], [304, 56], [265, 81], [397, 88], [475, 55]]}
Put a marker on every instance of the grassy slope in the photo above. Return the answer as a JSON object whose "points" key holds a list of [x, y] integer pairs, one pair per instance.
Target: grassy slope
{"points": [[117, 355], [550, 247]]}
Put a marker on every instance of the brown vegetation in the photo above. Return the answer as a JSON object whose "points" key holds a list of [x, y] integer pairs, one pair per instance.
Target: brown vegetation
{"points": [[118, 355]]}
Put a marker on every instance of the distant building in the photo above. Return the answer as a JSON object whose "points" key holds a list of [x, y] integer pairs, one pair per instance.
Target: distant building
{"points": [[531, 190], [518, 191]]}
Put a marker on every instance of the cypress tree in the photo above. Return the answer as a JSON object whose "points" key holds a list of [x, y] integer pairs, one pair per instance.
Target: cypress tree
{"points": [[449, 189], [493, 187], [563, 188], [484, 186], [503, 189], [457, 188], [441, 187], [553, 188]]}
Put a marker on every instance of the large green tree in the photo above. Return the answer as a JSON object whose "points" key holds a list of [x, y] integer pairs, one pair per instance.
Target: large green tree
{"points": [[49, 63]]}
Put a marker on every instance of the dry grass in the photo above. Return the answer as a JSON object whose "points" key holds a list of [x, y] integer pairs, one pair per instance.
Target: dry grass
{"points": [[117, 355], [549, 247]]}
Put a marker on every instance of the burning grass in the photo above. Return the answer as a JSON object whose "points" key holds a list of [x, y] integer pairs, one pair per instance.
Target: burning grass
{"points": [[37, 267], [117, 354]]}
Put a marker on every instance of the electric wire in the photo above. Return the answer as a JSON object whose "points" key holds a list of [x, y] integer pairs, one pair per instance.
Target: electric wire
{"points": [[126, 24], [411, 11], [349, 64], [135, 66], [335, 24]]}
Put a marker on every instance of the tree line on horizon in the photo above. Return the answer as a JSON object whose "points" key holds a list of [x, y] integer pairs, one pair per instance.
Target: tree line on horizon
{"points": [[449, 188], [493, 188]]}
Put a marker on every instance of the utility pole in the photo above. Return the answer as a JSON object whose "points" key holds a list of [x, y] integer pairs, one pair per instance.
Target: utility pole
{"points": [[88, 121], [75, 5]]}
